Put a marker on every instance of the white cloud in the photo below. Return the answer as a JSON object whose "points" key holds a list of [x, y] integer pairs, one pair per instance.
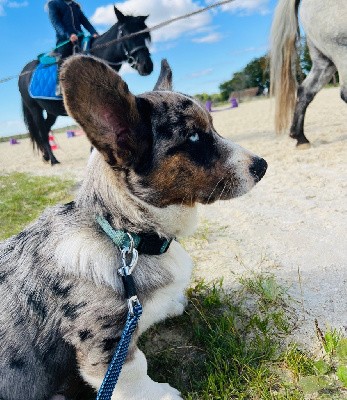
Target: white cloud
{"points": [[249, 50], [198, 74], [245, 7], [161, 47], [163, 10], [210, 38], [2, 11], [17, 4], [126, 69], [11, 4], [158, 11]]}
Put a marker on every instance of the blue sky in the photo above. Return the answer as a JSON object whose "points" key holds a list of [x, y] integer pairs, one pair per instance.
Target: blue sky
{"points": [[203, 52]]}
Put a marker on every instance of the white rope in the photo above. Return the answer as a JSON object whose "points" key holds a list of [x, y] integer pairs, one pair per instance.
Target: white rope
{"points": [[150, 29]]}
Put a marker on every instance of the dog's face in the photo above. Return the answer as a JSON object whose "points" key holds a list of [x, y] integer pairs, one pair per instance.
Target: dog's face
{"points": [[164, 142]]}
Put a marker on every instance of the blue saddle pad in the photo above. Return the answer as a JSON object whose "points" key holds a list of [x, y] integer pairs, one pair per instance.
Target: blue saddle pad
{"points": [[43, 82]]}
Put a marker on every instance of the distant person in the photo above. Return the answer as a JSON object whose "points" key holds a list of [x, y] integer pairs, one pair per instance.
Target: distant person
{"points": [[67, 19]]}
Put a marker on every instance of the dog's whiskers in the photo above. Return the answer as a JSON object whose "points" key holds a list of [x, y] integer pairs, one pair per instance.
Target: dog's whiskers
{"points": [[209, 197], [224, 187]]}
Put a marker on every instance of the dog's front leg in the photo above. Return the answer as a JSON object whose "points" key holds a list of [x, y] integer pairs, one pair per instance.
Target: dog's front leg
{"points": [[133, 382]]}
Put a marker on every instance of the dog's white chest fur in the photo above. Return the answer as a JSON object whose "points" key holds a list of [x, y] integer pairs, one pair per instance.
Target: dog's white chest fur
{"points": [[170, 300]]}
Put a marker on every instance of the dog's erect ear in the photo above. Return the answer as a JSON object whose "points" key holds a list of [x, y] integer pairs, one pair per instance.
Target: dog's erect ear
{"points": [[165, 78], [120, 16], [100, 101]]}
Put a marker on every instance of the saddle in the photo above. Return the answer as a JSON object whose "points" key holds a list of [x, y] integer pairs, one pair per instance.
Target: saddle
{"points": [[45, 77], [44, 81]]}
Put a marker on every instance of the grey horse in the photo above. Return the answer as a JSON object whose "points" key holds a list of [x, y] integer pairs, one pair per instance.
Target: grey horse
{"points": [[325, 25]]}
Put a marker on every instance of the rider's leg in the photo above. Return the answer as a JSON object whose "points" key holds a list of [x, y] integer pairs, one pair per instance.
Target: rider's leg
{"points": [[65, 51]]}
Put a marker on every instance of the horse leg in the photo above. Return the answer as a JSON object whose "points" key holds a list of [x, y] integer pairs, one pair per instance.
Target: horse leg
{"points": [[344, 93], [321, 72], [342, 68], [29, 115], [48, 123], [46, 155], [44, 126]]}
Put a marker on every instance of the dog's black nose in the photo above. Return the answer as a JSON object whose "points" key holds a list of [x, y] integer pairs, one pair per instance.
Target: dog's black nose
{"points": [[258, 168]]}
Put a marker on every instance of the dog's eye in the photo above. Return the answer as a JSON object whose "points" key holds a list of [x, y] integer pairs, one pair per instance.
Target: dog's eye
{"points": [[194, 138]]}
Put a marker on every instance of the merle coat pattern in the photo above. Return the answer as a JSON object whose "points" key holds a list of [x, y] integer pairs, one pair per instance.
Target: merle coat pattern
{"points": [[62, 308]]}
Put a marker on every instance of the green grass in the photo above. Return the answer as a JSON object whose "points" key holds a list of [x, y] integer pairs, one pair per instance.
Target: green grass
{"points": [[24, 197], [19, 136], [224, 348], [231, 346], [236, 345], [227, 345]]}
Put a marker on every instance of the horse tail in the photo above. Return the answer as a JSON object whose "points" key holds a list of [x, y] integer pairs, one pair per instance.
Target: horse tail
{"points": [[34, 133], [283, 55]]}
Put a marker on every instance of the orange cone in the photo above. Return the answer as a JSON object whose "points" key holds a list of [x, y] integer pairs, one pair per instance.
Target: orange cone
{"points": [[51, 141]]}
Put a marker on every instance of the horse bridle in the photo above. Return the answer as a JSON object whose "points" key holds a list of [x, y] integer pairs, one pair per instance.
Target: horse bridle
{"points": [[131, 60]]}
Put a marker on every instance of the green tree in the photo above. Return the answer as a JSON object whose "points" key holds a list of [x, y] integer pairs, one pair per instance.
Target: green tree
{"points": [[255, 74], [304, 56], [203, 97], [225, 89]]}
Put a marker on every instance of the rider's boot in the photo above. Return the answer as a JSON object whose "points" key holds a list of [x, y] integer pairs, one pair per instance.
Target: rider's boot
{"points": [[58, 88]]}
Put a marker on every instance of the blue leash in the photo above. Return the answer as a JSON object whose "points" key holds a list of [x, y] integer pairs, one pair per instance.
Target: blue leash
{"points": [[129, 244], [134, 306], [115, 367]]}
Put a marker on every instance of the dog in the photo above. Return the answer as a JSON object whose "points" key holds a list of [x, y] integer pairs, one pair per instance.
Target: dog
{"points": [[62, 307]]}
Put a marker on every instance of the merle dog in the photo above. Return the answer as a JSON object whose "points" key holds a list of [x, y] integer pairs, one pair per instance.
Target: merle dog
{"points": [[62, 306]]}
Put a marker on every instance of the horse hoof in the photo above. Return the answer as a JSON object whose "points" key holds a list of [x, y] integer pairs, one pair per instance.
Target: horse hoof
{"points": [[303, 146], [54, 162], [45, 158]]}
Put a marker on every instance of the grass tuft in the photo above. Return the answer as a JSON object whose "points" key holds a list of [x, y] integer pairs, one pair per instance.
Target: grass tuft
{"points": [[224, 348], [231, 346], [299, 363], [24, 197]]}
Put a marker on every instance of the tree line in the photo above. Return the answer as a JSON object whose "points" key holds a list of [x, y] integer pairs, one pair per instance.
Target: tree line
{"points": [[257, 74]]}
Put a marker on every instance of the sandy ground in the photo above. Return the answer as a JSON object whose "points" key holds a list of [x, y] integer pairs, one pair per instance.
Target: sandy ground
{"points": [[293, 224]]}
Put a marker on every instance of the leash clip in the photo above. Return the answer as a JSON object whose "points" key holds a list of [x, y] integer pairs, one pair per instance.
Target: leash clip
{"points": [[128, 264], [129, 260], [128, 267]]}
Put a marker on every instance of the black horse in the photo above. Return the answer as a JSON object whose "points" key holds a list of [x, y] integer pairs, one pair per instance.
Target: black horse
{"points": [[133, 50]]}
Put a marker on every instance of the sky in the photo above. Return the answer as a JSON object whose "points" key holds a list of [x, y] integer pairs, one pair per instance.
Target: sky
{"points": [[203, 51]]}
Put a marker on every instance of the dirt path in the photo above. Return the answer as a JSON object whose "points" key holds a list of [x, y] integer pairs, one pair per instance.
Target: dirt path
{"points": [[293, 224]]}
